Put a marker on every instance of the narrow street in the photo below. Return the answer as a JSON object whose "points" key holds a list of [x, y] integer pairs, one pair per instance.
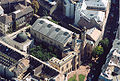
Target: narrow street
{"points": [[110, 32]]}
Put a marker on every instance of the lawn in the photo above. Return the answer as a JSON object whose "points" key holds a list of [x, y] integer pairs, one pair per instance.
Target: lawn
{"points": [[73, 78], [81, 77]]}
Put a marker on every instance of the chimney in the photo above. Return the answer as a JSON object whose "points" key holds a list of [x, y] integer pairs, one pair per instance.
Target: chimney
{"points": [[25, 2]]}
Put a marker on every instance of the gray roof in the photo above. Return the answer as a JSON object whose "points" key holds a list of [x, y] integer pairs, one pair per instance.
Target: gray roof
{"points": [[22, 12], [10, 1], [47, 4], [5, 19], [52, 30], [19, 6]]}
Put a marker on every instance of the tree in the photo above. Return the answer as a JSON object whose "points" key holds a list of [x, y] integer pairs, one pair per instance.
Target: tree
{"points": [[104, 43], [98, 51], [35, 5]]}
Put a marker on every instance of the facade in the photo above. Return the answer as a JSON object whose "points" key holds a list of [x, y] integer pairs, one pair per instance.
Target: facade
{"points": [[69, 7], [22, 17], [1, 11], [6, 24]]}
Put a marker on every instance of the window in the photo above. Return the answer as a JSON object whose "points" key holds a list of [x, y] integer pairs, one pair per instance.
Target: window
{"points": [[67, 66], [51, 42], [62, 68]]}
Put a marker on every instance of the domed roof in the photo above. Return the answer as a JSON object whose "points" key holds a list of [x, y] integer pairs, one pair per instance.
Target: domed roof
{"points": [[22, 37]]}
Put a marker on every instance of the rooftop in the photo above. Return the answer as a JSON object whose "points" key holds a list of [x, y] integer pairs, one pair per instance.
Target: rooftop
{"points": [[20, 12], [97, 15], [96, 3], [93, 34]]}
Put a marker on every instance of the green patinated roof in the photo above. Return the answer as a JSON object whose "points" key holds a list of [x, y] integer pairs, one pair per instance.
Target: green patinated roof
{"points": [[22, 37]]}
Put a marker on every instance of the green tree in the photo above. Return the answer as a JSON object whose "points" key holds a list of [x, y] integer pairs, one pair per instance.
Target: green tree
{"points": [[35, 6], [98, 51], [104, 43]]}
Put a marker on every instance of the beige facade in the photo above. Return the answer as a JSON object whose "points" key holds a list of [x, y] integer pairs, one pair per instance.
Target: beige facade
{"points": [[65, 65], [5, 24]]}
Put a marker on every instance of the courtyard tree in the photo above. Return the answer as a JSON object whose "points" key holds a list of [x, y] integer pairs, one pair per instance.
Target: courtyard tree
{"points": [[98, 51], [104, 43]]}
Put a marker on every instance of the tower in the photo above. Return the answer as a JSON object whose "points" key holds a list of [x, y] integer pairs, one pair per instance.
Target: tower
{"points": [[83, 38], [74, 41]]}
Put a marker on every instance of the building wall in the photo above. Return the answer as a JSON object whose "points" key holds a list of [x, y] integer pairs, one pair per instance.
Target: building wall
{"points": [[23, 20], [68, 8], [5, 28]]}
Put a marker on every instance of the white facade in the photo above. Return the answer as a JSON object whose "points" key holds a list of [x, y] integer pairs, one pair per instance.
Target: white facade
{"points": [[77, 13], [1, 11], [69, 8]]}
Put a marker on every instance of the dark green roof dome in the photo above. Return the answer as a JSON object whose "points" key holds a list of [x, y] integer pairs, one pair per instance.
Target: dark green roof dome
{"points": [[22, 37]]}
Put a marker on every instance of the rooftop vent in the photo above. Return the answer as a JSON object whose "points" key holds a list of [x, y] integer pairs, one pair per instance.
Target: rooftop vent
{"points": [[65, 33], [49, 25], [57, 29], [41, 22]]}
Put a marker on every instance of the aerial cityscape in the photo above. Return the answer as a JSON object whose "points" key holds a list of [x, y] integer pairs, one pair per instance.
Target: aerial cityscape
{"points": [[59, 40]]}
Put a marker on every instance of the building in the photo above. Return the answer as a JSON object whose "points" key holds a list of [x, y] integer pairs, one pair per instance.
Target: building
{"points": [[97, 5], [21, 41], [51, 33], [1, 11], [94, 35], [9, 56], [49, 6], [9, 3], [6, 24], [111, 69], [89, 18], [20, 67], [22, 16], [66, 41], [67, 64]]}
